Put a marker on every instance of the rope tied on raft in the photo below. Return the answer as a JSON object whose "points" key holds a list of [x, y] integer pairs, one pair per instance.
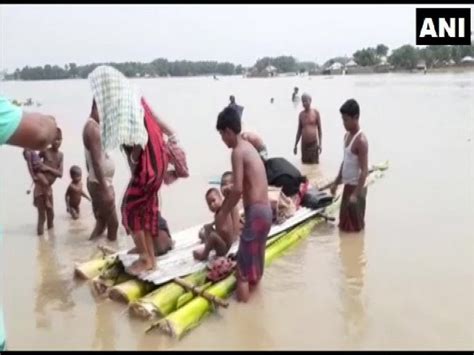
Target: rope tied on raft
{"points": [[216, 301]]}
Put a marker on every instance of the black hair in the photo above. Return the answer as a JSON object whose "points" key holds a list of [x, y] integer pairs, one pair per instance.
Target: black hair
{"points": [[350, 108], [227, 173], [229, 118], [59, 133], [75, 170], [211, 190]]}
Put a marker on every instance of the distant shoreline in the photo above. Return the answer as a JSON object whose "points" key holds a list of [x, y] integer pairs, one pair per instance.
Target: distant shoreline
{"points": [[440, 70]]}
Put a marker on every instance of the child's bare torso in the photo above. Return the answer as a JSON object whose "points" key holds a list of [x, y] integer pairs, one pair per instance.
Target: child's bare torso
{"points": [[52, 159], [75, 194]]}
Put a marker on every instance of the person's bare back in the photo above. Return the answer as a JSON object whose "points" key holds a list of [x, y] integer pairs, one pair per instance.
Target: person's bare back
{"points": [[255, 185]]}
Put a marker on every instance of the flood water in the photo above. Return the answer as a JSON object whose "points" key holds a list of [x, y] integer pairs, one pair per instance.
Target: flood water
{"points": [[407, 282]]}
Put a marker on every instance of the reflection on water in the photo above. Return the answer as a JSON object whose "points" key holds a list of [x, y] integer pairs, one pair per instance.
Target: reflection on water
{"points": [[104, 338], [353, 262], [54, 288]]}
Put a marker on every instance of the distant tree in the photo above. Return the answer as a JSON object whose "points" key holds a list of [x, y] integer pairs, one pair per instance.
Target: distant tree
{"points": [[381, 50], [405, 57], [307, 66], [366, 57]]}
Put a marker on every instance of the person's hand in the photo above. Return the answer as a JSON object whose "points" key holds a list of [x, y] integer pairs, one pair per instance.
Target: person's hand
{"points": [[320, 149], [170, 177], [353, 198], [295, 150], [226, 191], [333, 188]]}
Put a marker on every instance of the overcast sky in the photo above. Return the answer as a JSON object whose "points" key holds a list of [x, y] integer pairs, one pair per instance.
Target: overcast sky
{"points": [[58, 34]]}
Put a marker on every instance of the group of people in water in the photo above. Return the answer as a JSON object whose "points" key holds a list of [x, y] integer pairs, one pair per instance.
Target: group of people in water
{"points": [[121, 118]]}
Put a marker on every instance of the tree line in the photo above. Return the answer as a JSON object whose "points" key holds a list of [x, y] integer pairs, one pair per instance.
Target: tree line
{"points": [[404, 57], [407, 56], [158, 68]]}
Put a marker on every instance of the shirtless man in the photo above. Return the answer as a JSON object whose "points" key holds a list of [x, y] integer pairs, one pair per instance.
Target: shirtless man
{"points": [[257, 142], [249, 182], [309, 130], [101, 170]]}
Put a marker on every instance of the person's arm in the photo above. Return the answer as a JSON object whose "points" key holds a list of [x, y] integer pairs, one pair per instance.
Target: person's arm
{"points": [[362, 154], [163, 125], [93, 145], [337, 181], [85, 195], [133, 154], [235, 192], [30, 167], [66, 197], [35, 131], [56, 172], [298, 134], [320, 131]]}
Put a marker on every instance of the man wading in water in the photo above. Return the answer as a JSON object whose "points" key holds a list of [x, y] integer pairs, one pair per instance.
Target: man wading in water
{"points": [[309, 130], [353, 171]]}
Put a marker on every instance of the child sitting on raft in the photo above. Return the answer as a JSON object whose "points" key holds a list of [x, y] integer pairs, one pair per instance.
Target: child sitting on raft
{"points": [[219, 237]]}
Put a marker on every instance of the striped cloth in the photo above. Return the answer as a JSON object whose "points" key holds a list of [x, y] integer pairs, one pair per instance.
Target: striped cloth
{"points": [[119, 108]]}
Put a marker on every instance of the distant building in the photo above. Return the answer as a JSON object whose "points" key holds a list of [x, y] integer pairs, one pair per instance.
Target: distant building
{"points": [[421, 65], [270, 70], [351, 63]]}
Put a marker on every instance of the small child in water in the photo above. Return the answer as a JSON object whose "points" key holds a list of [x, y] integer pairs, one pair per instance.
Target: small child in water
{"points": [[215, 237], [33, 162], [74, 192]]}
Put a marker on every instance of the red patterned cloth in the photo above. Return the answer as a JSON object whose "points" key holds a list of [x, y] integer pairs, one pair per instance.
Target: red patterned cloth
{"points": [[251, 253], [352, 215], [140, 206]]}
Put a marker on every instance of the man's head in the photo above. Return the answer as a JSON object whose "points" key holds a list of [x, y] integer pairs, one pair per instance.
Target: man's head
{"points": [[296, 89], [213, 199], [76, 173], [350, 114], [229, 126], [59, 139], [306, 101], [232, 99], [226, 181]]}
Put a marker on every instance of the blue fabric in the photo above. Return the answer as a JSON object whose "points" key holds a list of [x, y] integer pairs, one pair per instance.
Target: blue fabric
{"points": [[10, 117]]}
